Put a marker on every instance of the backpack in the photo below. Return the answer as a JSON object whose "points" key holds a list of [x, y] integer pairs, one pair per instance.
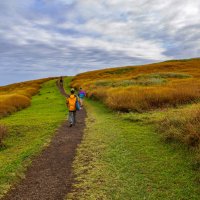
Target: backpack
{"points": [[73, 103], [78, 107]]}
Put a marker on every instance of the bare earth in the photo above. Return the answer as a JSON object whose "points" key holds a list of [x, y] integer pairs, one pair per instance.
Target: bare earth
{"points": [[50, 174]]}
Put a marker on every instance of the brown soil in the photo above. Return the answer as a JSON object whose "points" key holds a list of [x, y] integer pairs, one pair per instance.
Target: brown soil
{"points": [[50, 174]]}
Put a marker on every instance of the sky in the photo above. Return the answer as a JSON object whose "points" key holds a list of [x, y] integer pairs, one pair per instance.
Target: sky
{"points": [[43, 38]]}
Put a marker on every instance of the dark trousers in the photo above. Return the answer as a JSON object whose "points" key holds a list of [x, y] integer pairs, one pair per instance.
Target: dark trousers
{"points": [[72, 117]]}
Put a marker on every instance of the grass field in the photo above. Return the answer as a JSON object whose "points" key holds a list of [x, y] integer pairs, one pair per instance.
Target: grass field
{"points": [[122, 157], [29, 131]]}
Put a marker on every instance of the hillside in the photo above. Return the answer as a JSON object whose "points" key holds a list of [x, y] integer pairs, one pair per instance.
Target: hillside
{"points": [[167, 94], [17, 96], [142, 88]]}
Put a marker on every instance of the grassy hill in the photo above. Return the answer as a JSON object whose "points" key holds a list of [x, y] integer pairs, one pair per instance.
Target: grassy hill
{"points": [[125, 157], [142, 88], [17, 96], [166, 93], [121, 155]]}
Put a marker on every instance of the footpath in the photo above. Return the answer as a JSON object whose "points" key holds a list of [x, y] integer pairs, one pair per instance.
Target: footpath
{"points": [[49, 175]]}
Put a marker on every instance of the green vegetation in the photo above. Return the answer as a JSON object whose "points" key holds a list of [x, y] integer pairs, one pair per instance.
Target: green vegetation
{"points": [[183, 127], [29, 131], [122, 155], [118, 71], [181, 124], [126, 83], [163, 75], [125, 159], [3, 133], [142, 80]]}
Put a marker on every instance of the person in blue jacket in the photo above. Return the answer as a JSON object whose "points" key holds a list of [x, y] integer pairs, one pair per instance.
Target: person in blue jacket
{"points": [[81, 95]]}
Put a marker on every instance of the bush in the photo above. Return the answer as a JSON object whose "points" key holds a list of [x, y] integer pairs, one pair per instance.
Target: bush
{"points": [[184, 127], [3, 133], [12, 103]]}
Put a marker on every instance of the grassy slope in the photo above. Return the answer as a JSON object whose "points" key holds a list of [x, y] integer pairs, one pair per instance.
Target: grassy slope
{"points": [[15, 97], [143, 88], [119, 159], [29, 131]]}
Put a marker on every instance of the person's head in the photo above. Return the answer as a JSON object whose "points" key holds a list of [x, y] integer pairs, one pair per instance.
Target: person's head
{"points": [[72, 91], [80, 88]]}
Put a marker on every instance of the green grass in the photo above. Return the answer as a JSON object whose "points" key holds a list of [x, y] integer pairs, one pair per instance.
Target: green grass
{"points": [[30, 130], [124, 159], [163, 76], [142, 80], [126, 83], [118, 71]]}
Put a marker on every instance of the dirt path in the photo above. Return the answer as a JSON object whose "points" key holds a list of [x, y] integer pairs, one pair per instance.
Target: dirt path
{"points": [[49, 176], [61, 89]]}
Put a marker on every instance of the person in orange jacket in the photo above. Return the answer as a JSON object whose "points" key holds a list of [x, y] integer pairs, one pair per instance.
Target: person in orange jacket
{"points": [[71, 104]]}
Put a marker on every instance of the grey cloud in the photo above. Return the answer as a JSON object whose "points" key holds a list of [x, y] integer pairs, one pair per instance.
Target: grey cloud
{"points": [[60, 37]]}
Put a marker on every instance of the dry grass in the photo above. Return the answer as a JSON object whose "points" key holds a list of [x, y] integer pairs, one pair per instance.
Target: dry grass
{"points": [[143, 88], [13, 102], [3, 133], [184, 127], [17, 96], [147, 98]]}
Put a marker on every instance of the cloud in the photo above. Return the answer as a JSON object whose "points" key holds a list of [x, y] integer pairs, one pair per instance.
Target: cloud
{"points": [[57, 37]]}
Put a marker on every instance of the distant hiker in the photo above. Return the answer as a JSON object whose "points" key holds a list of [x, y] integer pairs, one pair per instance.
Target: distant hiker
{"points": [[61, 81], [81, 95], [73, 105]]}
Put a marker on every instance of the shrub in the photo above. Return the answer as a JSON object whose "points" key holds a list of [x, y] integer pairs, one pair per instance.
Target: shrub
{"points": [[12, 102], [3, 133], [184, 127]]}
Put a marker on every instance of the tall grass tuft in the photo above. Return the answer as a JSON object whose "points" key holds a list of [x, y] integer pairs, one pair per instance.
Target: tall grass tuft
{"points": [[184, 127], [13, 102], [3, 133], [148, 98]]}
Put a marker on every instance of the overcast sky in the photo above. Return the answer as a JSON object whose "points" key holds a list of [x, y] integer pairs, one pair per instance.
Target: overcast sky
{"points": [[41, 38]]}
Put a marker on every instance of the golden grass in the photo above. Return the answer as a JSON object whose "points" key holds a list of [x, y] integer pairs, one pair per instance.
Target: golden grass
{"points": [[18, 96], [142, 88], [13, 102], [147, 98]]}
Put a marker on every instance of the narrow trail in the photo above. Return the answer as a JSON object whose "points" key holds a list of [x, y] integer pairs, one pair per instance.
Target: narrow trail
{"points": [[49, 176], [61, 89]]}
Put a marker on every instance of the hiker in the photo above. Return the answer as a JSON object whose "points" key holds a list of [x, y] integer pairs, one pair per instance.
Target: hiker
{"points": [[81, 95], [72, 106], [61, 81]]}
